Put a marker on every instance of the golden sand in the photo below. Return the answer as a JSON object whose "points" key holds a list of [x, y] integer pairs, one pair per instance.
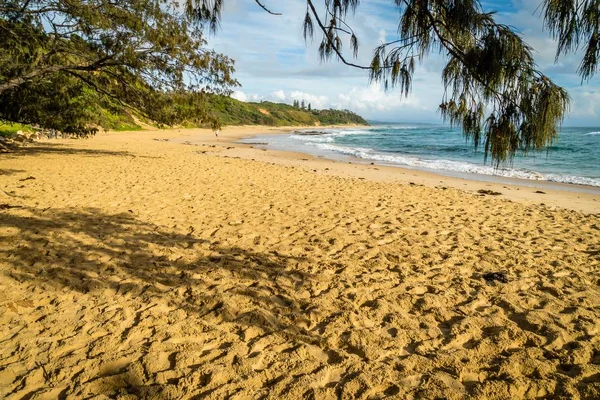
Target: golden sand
{"points": [[135, 267]]}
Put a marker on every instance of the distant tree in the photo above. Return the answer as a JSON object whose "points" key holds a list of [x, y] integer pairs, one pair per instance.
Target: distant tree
{"points": [[309, 107], [296, 104], [133, 52], [493, 88], [302, 105]]}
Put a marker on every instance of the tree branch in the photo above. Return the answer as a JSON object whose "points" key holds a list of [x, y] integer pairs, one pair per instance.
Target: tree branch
{"points": [[324, 29], [12, 83], [265, 8]]}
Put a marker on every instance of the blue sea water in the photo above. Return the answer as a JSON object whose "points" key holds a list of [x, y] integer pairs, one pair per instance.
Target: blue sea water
{"points": [[573, 158]]}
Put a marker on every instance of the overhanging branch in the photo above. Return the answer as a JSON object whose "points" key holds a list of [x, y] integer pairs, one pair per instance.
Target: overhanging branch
{"points": [[335, 49], [265, 8]]}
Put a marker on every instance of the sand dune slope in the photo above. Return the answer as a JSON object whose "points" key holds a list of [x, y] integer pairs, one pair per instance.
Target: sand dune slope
{"points": [[133, 268]]}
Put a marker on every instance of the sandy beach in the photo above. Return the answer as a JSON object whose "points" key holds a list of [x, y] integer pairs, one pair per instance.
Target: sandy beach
{"points": [[174, 264]]}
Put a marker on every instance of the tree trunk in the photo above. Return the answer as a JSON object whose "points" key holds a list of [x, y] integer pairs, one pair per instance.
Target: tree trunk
{"points": [[14, 82]]}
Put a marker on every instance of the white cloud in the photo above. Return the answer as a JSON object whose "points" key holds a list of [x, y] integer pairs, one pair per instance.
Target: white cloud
{"points": [[585, 104], [239, 95], [370, 101], [278, 95], [281, 96], [318, 102], [274, 63], [382, 36], [373, 98]]}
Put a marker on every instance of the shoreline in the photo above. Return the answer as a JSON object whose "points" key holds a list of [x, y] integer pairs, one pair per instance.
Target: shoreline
{"points": [[482, 177], [555, 194]]}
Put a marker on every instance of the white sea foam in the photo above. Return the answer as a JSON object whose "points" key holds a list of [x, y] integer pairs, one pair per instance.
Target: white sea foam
{"points": [[325, 136], [455, 166], [314, 139], [325, 141], [313, 134], [396, 127], [593, 133]]}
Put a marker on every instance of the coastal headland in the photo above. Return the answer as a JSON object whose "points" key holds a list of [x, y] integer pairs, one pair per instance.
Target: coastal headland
{"points": [[176, 264]]}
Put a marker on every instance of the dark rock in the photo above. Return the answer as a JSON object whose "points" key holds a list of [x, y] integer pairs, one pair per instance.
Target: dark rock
{"points": [[495, 276]]}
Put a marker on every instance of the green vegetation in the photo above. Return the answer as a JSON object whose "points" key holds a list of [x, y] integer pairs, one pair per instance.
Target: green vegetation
{"points": [[72, 65], [217, 110], [8, 130], [233, 112], [117, 122]]}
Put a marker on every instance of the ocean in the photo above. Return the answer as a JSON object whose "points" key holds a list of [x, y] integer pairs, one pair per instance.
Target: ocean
{"points": [[574, 158]]}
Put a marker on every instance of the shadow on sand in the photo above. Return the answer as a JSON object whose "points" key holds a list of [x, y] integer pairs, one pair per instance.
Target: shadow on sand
{"points": [[89, 250], [40, 148], [7, 172]]}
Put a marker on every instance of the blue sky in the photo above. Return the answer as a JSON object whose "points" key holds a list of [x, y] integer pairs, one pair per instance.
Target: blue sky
{"points": [[274, 63]]}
